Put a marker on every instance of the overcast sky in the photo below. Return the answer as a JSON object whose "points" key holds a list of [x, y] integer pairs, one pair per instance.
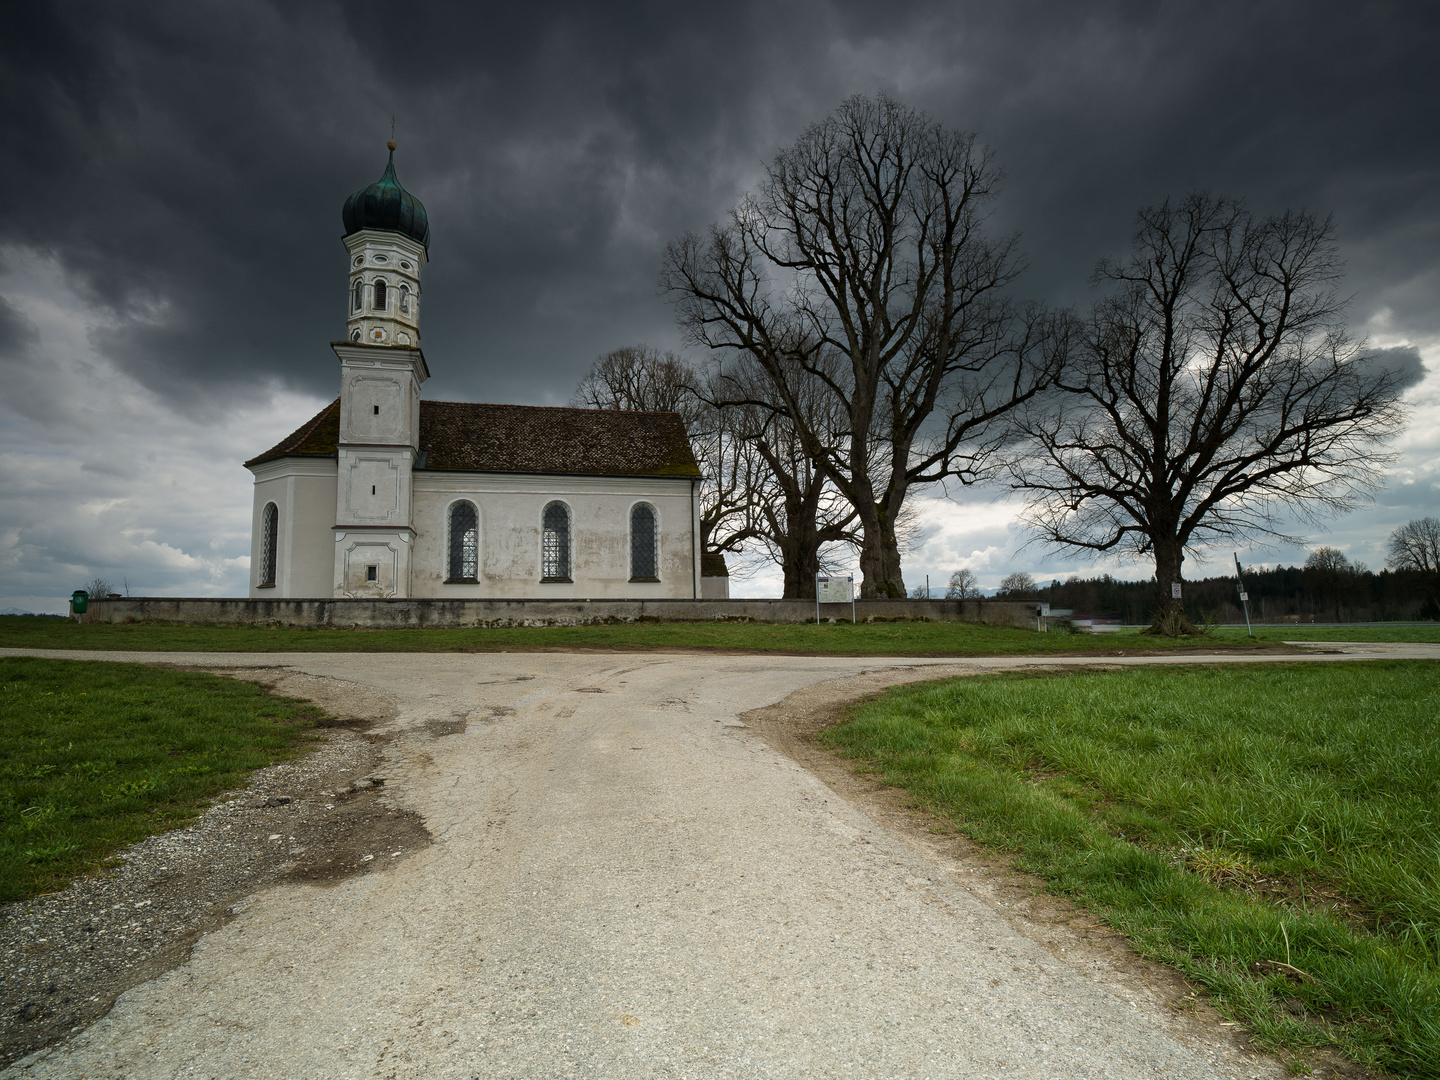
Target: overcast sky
{"points": [[171, 268]]}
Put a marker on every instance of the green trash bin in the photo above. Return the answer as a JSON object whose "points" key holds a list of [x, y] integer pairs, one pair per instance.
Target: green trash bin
{"points": [[79, 601]]}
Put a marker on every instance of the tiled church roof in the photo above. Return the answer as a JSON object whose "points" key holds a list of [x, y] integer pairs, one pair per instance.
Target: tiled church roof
{"points": [[523, 439]]}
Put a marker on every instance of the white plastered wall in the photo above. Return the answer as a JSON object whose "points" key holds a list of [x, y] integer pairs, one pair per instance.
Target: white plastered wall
{"points": [[510, 509], [303, 491]]}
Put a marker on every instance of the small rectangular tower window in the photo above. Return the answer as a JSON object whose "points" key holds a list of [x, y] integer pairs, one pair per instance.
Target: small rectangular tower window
{"points": [[372, 573], [377, 409]]}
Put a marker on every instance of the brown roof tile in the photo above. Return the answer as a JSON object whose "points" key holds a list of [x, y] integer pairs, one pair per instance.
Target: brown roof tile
{"points": [[524, 439]]}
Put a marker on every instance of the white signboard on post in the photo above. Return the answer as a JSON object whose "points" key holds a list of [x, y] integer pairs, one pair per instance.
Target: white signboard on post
{"points": [[835, 590]]}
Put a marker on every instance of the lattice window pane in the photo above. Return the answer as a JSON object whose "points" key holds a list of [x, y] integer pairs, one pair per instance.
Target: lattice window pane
{"points": [[269, 541], [555, 542], [464, 541], [642, 542]]}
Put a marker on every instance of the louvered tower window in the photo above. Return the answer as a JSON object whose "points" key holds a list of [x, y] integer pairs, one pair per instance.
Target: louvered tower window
{"points": [[381, 300], [464, 542], [642, 543], [555, 543]]}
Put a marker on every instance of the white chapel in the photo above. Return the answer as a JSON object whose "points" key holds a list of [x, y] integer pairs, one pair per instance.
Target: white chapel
{"points": [[386, 495]]}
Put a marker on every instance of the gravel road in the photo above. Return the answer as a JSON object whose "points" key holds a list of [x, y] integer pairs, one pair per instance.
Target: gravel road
{"points": [[626, 881]]}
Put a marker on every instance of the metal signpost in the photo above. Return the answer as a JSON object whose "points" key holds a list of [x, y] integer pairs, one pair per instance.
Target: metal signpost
{"points": [[1244, 596], [835, 590]]}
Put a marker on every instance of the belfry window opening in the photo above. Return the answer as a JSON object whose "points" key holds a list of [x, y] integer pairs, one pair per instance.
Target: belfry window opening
{"points": [[381, 300], [357, 302], [404, 299]]}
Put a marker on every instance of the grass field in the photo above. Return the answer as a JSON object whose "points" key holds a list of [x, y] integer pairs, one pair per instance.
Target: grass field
{"points": [[1360, 632], [842, 639], [1221, 818], [95, 756]]}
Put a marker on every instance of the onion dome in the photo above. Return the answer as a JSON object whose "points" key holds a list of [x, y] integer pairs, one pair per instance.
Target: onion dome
{"points": [[388, 206]]}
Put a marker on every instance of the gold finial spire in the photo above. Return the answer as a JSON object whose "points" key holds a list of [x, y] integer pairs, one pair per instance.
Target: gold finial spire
{"points": [[391, 145]]}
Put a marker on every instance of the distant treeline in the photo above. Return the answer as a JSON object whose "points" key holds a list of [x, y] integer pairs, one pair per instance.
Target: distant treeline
{"points": [[1282, 594]]}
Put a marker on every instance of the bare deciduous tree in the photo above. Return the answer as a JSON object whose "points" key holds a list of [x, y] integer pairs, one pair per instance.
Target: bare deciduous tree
{"points": [[797, 510], [641, 378], [964, 585], [861, 264], [645, 379], [1415, 546], [1213, 388], [98, 588], [1329, 571], [1017, 584]]}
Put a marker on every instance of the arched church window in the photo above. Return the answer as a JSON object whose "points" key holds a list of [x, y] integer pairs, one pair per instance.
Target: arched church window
{"points": [[358, 299], [464, 542], [642, 543], [269, 541], [555, 543], [405, 299], [381, 300]]}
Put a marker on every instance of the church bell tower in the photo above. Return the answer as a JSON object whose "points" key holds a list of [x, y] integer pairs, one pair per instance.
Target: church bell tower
{"points": [[387, 237]]}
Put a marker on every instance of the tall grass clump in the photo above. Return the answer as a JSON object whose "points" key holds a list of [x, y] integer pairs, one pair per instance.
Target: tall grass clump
{"points": [[1271, 831]]}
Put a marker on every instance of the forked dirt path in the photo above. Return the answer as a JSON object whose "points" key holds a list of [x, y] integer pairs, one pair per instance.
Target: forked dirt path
{"points": [[640, 867]]}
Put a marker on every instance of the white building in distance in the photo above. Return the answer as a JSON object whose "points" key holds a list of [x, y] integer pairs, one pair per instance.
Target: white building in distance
{"points": [[386, 495]]}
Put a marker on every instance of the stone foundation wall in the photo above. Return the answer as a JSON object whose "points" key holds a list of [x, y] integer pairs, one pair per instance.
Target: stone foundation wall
{"points": [[413, 613]]}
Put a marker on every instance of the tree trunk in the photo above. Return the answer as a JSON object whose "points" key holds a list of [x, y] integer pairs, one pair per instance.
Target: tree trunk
{"points": [[880, 558], [1170, 617]]}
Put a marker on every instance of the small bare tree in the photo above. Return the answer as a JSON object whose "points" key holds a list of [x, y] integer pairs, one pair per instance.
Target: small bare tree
{"points": [[964, 585], [98, 588], [1415, 546], [1212, 389], [1017, 584]]}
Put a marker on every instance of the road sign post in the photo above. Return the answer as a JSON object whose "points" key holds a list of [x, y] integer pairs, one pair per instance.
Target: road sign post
{"points": [[1244, 596]]}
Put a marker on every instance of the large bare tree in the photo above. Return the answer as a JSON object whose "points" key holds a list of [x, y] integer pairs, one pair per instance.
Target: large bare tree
{"points": [[1214, 388], [797, 511], [861, 264]]}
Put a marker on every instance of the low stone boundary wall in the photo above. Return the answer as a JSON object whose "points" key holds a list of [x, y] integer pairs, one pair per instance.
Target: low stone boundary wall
{"points": [[413, 613]]}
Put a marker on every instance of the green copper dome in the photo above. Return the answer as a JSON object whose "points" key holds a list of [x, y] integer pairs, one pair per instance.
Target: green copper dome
{"points": [[388, 206]]}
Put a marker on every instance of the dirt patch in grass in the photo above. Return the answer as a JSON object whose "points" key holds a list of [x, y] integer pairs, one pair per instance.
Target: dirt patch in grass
{"points": [[316, 819], [1067, 931]]}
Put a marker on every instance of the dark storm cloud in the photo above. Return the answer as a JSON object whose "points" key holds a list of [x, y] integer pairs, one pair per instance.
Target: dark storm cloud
{"points": [[1403, 363], [17, 333], [187, 162]]}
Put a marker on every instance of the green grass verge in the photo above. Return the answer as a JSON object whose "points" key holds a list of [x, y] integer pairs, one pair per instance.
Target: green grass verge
{"points": [[1219, 818], [95, 756], [1429, 632], [842, 639]]}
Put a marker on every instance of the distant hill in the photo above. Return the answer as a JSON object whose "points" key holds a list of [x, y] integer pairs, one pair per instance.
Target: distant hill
{"points": [[22, 611]]}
